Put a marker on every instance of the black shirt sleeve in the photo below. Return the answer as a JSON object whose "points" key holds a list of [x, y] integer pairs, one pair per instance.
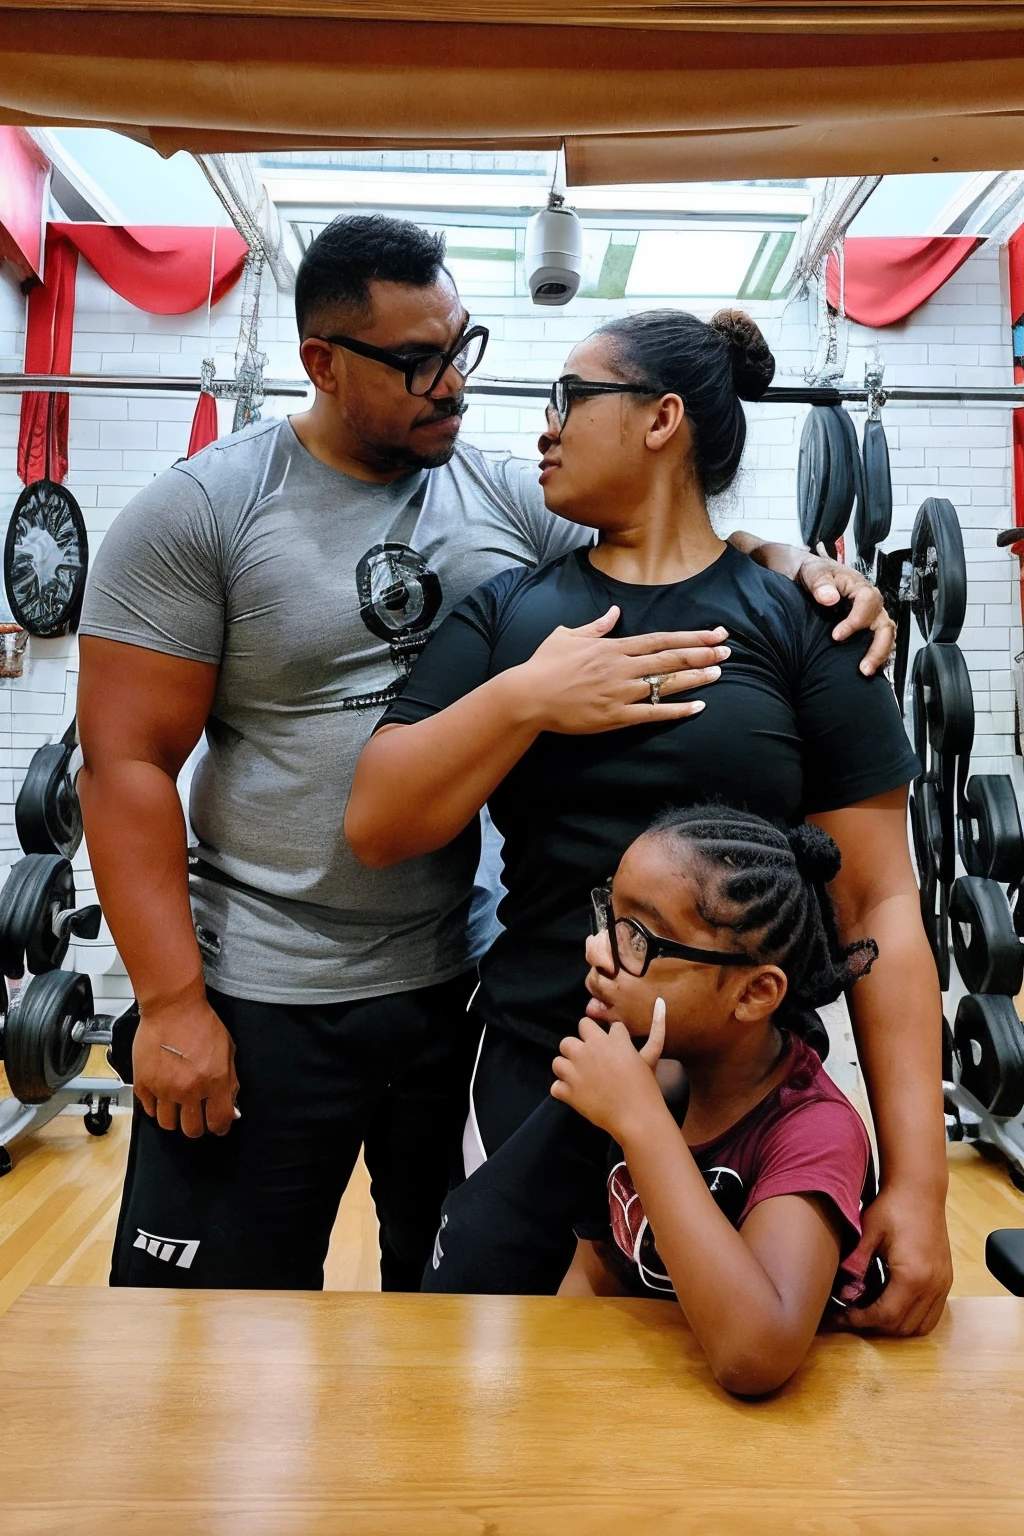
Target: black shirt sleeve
{"points": [[855, 743], [456, 660]]}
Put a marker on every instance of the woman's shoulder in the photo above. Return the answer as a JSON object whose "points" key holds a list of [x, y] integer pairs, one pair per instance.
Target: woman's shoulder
{"points": [[781, 598], [497, 600]]}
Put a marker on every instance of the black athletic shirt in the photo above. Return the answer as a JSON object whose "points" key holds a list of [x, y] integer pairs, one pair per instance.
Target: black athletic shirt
{"points": [[790, 728]]}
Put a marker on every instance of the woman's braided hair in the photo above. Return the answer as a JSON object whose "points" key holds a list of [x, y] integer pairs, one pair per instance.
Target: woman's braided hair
{"points": [[768, 887]]}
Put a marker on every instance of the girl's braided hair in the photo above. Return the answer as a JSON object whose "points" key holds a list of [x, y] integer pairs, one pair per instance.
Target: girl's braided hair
{"points": [[768, 887]]}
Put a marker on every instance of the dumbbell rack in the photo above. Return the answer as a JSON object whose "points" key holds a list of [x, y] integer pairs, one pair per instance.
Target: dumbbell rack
{"points": [[48, 1024], [98, 1094], [977, 918], [979, 915]]}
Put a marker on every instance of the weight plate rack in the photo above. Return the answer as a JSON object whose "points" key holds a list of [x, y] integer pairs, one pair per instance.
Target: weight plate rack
{"points": [[974, 920], [48, 1024]]}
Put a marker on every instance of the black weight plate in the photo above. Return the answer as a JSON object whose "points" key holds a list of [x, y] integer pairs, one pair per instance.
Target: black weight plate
{"points": [[839, 498], [873, 520], [935, 917], [812, 474], [12, 952], [988, 954], [990, 1043], [948, 1051], [926, 827], [852, 451], [39, 886], [47, 816], [943, 704], [42, 779], [46, 558], [940, 570], [40, 1055], [991, 836]]}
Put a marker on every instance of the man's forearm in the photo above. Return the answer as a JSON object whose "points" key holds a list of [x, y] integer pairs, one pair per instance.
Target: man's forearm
{"points": [[138, 849], [897, 1023], [786, 559]]}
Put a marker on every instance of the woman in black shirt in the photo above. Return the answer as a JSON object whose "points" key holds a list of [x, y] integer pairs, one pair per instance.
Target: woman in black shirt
{"points": [[646, 424]]}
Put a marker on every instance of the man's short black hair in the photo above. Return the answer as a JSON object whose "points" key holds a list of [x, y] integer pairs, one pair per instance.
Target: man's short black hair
{"points": [[350, 253]]}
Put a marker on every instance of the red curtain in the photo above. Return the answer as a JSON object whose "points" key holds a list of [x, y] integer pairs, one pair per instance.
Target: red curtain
{"points": [[161, 269], [23, 172], [204, 425], [884, 280], [51, 320], [1015, 250]]}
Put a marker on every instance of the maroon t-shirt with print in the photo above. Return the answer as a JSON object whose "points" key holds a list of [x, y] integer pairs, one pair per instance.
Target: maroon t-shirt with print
{"points": [[804, 1138]]}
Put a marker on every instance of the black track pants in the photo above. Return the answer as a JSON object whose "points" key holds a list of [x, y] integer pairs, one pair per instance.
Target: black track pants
{"points": [[509, 1229], [254, 1209]]}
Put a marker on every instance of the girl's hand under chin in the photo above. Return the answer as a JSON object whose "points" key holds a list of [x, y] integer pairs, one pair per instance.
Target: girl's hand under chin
{"points": [[606, 1079]]}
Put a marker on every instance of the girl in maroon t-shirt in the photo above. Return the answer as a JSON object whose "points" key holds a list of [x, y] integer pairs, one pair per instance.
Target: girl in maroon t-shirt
{"points": [[718, 927]]}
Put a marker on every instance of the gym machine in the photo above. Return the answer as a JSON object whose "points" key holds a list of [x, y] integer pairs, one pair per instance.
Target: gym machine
{"points": [[49, 1024]]}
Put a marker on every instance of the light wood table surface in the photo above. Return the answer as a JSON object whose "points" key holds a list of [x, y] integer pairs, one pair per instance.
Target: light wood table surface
{"points": [[257, 1414]]}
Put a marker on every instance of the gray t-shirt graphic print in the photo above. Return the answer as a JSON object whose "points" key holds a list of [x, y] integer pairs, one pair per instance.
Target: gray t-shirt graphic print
{"points": [[314, 593]]}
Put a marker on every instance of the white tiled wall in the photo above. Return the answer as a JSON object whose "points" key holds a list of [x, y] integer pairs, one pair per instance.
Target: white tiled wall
{"points": [[117, 444]]}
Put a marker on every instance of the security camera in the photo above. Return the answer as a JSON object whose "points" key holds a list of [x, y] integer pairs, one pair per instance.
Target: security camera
{"points": [[554, 252]]}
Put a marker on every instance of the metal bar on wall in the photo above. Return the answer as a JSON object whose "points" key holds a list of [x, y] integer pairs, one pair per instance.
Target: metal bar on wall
{"points": [[1011, 395], [810, 394], [131, 383]]}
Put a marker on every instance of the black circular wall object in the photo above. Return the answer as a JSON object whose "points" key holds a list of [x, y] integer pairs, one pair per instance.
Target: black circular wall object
{"points": [[940, 571], [46, 558], [873, 520], [825, 476]]}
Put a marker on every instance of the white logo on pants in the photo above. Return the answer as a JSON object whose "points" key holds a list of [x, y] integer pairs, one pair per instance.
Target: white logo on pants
{"points": [[438, 1254], [181, 1250]]}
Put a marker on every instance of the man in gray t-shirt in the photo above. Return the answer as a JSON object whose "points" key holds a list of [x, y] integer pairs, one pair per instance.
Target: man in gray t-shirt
{"points": [[312, 593], [273, 592]]}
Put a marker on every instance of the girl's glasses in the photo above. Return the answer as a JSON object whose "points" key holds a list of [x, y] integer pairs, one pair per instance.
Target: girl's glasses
{"points": [[634, 947]]}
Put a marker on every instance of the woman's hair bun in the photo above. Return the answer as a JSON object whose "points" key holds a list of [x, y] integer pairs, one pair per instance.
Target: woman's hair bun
{"points": [[753, 366], [817, 857]]}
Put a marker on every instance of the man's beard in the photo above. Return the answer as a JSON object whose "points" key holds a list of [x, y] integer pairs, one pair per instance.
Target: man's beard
{"points": [[393, 455]]}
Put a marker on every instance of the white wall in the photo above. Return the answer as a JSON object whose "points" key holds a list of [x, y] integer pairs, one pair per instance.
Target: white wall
{"points": [[962, 336]]}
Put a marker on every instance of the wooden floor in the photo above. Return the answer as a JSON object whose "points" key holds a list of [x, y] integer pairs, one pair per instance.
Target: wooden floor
{"points": [[58, 1210]]}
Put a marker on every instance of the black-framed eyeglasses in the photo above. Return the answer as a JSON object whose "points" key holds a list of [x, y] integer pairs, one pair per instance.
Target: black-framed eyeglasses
{"points": [[423, 370], [567, 389], [634, 947]]}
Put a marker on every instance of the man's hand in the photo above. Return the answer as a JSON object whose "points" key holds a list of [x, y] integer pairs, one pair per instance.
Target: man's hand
{"points": [[909, 1231], [606, 1079], [184, 1068], [579, 682], [827, 581]]}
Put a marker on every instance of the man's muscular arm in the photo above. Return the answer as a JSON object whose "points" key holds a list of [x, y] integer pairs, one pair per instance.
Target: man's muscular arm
{"points": [[140, 713]]}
